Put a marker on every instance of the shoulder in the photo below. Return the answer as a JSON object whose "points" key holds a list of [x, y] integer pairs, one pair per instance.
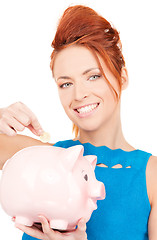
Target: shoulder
{"points": [[151, 177]]}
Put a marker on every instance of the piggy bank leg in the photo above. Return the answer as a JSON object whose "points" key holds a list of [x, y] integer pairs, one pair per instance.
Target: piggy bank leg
{"points": [[58, 224], [23, 220]]}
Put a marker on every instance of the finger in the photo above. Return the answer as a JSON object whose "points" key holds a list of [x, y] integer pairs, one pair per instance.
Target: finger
{"points": [[12, 123], [21, 110], [5, 129], [48, 231], [36, 125], [16, 125], [31, 231], [36, 132], [22, 117], [46, 226], [81, 225], [33, 121]]}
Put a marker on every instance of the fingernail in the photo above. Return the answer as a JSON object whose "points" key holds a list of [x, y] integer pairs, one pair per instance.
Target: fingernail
{"points": [[13, 219], [40, 131], [41, 217]]}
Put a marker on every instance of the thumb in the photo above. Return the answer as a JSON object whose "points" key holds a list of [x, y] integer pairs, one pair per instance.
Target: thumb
{"points": [[82, 224]]}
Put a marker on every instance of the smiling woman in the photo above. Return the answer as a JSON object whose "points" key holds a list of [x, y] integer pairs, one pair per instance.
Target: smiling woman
{"points": [[82, 26], [84, 92], [89, 69]]}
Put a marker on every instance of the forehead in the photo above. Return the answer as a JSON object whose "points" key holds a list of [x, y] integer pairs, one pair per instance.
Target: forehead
{"points": [[73, 59]]}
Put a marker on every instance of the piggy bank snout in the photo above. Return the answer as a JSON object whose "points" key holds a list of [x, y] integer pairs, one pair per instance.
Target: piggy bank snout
{"points": [[98, 191]]}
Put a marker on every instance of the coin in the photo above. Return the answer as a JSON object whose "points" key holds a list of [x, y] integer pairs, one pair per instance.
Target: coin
{"points": [[45, 137]]}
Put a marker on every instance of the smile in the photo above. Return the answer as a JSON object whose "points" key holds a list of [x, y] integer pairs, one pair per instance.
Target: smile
{"points": [[86, 110]]}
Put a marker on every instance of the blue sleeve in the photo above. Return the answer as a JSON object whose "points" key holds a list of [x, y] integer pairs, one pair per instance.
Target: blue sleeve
{"points": [[27, 237], [57, 144]]}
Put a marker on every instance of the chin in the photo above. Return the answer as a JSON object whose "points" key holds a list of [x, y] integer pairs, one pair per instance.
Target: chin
{"points": [[89, 127]]}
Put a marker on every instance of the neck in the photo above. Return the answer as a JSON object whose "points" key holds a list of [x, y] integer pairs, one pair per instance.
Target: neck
{"points": [[110, 134]]}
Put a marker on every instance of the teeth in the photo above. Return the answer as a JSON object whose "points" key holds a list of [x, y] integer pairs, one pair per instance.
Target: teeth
{"points": [[87, 108]]}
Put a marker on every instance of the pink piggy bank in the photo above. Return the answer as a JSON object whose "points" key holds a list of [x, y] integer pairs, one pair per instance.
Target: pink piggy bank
{"points": [[52, 181]]}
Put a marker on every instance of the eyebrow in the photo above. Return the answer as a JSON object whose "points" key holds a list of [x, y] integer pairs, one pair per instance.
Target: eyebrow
{"points": [[84, 73], [88, 70]]}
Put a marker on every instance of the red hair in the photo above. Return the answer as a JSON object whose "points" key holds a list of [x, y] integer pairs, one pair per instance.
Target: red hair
{"points": [[82, 25]]}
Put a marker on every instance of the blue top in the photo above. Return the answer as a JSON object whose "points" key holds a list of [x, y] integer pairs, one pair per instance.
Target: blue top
{"points": [[124, 213]]}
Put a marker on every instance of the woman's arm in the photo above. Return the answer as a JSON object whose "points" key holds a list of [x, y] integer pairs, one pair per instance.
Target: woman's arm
{"points": [[152, 193], [10, 145]]}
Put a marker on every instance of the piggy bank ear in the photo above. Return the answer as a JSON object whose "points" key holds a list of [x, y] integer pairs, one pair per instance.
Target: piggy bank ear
{"points": [[71, 156], [92, 159]]}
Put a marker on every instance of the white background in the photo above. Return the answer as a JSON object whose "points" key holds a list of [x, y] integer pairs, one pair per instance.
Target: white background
{"points": [[26, 31]]}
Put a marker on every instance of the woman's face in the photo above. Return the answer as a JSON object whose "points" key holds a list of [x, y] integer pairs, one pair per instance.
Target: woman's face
{"points": [[84, 93]]}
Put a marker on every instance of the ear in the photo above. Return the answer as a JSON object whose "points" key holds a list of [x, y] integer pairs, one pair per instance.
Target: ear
{"points": [[71, 156], [92, 159], [124, 78]]}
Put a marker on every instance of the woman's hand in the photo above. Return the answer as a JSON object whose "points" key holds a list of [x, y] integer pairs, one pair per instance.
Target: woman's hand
{"points": [[46, 233], [16, 117]]}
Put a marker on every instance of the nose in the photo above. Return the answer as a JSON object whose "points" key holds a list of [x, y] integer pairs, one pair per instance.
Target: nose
{"points": [[98, 191], [81, 91]]}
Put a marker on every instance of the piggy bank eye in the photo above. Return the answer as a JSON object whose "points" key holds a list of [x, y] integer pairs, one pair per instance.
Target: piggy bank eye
{"points": [[86, 177]]}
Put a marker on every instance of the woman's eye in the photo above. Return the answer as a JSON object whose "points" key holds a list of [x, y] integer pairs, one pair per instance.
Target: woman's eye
{"points": [[94, 77], [65, 85]]}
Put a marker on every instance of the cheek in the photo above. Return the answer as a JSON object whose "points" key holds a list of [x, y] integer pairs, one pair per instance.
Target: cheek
{"points": [[65, 98], [107, 97], [104, 91]]}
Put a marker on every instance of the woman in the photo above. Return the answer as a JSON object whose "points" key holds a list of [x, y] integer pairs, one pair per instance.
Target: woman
{"points": [[89, 70]]}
